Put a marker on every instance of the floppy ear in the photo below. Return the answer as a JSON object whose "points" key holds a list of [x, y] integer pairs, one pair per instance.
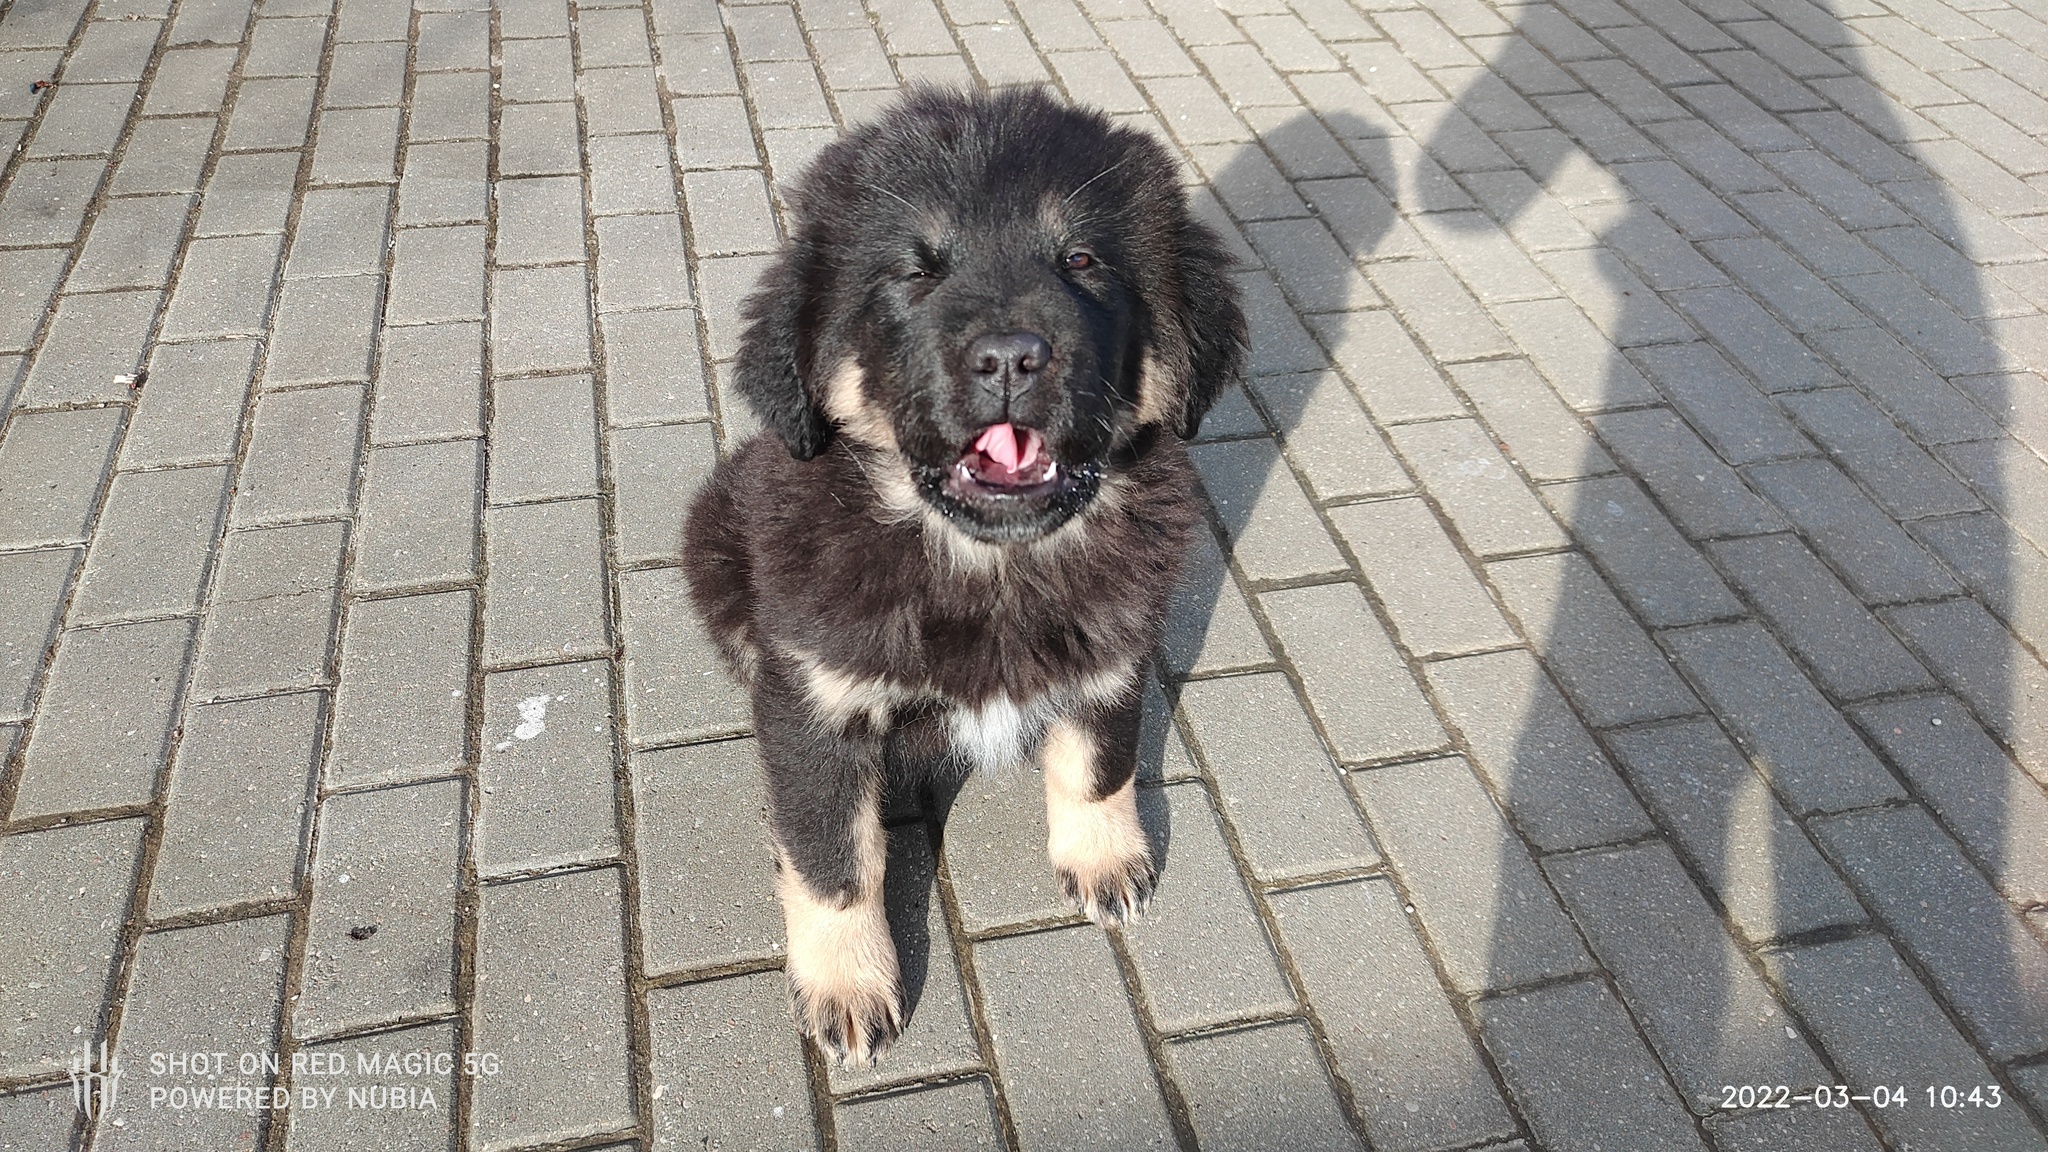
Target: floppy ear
{"points": [[1212, 321], [778, 351]]}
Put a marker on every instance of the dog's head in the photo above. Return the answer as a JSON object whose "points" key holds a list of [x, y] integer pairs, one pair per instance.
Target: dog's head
{"points": [[1002, 292]]}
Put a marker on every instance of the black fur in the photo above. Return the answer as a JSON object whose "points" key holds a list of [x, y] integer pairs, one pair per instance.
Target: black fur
{"points": [[844, 544]]}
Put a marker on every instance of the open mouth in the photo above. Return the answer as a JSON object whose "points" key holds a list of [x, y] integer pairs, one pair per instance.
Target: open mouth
{"points": [[1005, 460]]}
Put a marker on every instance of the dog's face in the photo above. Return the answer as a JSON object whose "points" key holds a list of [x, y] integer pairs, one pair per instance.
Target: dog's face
{"points": [[1000, 293]]}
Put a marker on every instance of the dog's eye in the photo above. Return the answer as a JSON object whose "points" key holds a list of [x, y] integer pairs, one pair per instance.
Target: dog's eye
{"points": [[1076, 261]]}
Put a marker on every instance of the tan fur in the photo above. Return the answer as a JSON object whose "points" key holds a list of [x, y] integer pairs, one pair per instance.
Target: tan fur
{"points": [[842, 964], [1096, 843], [838, 698], [1155, 391], [846, 402]]}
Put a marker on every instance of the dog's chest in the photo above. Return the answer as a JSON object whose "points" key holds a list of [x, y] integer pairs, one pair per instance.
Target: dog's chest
{"points": [[999, 733]]}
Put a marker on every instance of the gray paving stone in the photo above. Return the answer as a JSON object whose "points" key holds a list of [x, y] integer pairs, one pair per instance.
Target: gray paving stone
{"points": [[1413, 1072], [223, 288], [39, 1119], [82, 120], [1310, 266], [551, 999], [1486, 500], [324, 330], [544, 597], [1290, 1104], [366, 75], [400, 713], [190, 80], [1710, 1017], [285, 48], [1617, 302], [1840, 987], [92, 341], [1873, 555], [1436, 605], [543, 441], [443, 184], [46, 201], [730, 1067], [148, 557], [32, 276], [537, 69], [418, 518], [1905, 480], [712, 132], [38, 582], [1757, 341], [211, 22], [1252, 735], [1765, 873], [1491, 918], [1541, 435], [52, 468], [540, 320], [1209, 626], [620, 100], [1274, 531], [1060, 1095], [540, 221], [1452, 325], [437, 275], [356, 145], [959, 1115], [1850, 652], [301, 458], [332, 1123], [1971, 784], [387, 861], [248, 192], [272, 615], [132, 244], [1794, 1128], [1654, 568], [1200, 951], [938, 1038], [450, 106], [1554, 1045], [213, 988], [192, 409], [677, 687], [235, 819], [2011, 478], [1601, 656], [546, 770], [653, 370], [105, 718], [1359, 686], [1795, 738], [1728, 411], [429, 384], [994, 852], [1573, 355], [65, 896], [452, 40], [2005, 683], [1965, 937], [630, 174], [1328, 435], [1553, 780], [655, 474]]}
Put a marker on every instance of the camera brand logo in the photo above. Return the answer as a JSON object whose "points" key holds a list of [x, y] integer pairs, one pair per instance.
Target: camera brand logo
{"points": [[95, 1083]]}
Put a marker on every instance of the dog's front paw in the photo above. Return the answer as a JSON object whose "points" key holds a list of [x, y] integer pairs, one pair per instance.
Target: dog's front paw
{"points": [[1110, 891], [854, 1019]]}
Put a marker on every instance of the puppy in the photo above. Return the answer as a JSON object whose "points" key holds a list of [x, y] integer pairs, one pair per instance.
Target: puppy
{"points": [[976, 361]]}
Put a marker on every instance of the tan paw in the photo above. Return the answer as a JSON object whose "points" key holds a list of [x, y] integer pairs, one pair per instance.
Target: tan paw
{"points": [[1112, 895], [843, 976]]}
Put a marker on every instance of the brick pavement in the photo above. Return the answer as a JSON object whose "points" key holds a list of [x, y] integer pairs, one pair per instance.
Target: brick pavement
{"points": [[1617, 674]]}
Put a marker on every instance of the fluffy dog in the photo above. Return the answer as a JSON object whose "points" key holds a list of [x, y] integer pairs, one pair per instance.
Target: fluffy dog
{"points": [[977, 360]]}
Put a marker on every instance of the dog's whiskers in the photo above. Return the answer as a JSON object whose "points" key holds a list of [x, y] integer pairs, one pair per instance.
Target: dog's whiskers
{"points": [[1092, 179]]}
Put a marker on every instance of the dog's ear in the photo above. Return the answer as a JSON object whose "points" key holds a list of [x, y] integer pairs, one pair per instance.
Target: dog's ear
{"points": [[779, 350], [1212, 321]]}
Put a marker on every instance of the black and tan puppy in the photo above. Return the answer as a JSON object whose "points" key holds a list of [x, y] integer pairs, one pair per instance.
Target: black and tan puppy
{"points": [[977, 358]]}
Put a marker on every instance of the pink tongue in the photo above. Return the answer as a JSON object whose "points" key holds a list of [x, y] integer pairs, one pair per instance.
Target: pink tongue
{"points": [[999, 443]]}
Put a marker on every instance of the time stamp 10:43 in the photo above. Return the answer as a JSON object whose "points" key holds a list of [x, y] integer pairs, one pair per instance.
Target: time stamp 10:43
{"points": [[1745, 1097]]}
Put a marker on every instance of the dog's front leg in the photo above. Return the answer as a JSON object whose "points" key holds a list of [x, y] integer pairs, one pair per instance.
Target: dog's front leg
{"points": [[824, 785], [1098, 849]]}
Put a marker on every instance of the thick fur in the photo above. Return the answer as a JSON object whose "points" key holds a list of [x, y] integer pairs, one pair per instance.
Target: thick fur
{"points": [[878, 611]]}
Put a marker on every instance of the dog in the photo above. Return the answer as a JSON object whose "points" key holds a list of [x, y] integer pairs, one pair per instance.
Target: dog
{"points": [[976, 361]]}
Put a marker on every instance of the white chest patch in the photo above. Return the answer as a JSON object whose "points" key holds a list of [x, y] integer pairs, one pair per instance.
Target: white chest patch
{"points": [[996, 735]]}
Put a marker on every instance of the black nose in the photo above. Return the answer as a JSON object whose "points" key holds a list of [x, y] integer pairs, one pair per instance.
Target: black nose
{"points": [[1010, 360]]}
